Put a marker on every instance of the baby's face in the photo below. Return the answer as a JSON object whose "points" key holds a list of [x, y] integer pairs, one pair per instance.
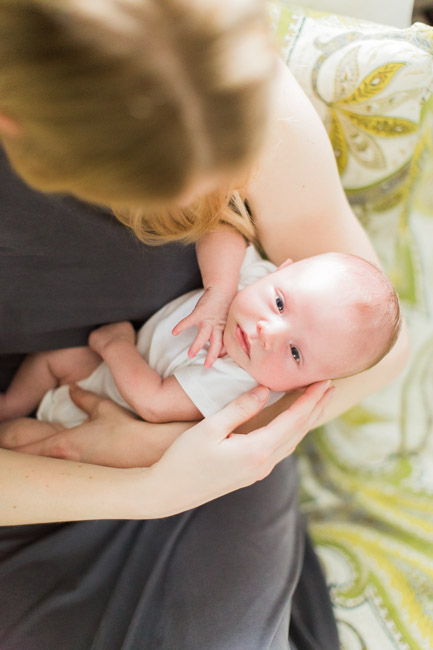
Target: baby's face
{"points": [[290, 328]]}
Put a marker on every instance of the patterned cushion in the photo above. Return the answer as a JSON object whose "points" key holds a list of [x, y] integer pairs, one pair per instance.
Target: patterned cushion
{"points": [[367, 484]]}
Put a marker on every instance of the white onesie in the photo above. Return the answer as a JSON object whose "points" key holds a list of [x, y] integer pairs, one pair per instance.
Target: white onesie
{"points": [[209, 388]]}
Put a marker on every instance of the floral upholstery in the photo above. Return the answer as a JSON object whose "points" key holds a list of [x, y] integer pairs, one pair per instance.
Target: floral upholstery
{"points": [[367, 477]]}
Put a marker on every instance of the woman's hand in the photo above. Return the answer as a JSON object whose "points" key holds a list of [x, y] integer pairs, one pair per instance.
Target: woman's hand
{"points": [[202, 463], [111, 436], [209, 460]]}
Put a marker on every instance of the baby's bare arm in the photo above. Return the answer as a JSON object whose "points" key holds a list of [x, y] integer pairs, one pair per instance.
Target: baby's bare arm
{"points": [[220, 254], [153, 398]]}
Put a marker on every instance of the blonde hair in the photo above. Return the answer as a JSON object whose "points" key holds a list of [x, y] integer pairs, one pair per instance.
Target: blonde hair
{"points": [[218, 210], [125, 102]]}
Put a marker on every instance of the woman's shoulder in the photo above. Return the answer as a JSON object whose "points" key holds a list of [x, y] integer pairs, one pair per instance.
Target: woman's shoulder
{"points": [[294, 184], [288, 98], [295, 131]]}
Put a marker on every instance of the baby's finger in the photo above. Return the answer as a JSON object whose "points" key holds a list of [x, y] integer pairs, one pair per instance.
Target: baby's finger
{"points": [[184, 324], [216, 342], [201, 339], [223, 351]]}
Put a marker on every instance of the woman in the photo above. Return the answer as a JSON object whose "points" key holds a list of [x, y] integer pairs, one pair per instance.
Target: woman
{"points": [[151, 108]]}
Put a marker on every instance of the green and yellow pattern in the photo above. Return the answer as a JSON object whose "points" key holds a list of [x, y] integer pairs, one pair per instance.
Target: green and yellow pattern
{"points": [[367, 477]]}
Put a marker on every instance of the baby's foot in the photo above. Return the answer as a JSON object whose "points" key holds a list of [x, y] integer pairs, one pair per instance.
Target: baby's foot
{"points": [[102, 337]]}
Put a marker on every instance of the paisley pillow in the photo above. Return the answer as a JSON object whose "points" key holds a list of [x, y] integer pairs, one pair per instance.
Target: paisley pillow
{"points": [[371, 85], [367, 477]]}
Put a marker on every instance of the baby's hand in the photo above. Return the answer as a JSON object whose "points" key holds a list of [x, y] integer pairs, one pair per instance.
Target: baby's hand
{"points": [[100, 338], [209, 315]]}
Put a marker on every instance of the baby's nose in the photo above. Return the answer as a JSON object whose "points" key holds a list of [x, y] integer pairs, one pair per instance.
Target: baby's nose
{"points": [[269, 333]]}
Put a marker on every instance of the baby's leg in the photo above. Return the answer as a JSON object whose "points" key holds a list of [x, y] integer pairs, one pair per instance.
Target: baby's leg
{"points": [[103, 337], [42, 371], [72, 364]]}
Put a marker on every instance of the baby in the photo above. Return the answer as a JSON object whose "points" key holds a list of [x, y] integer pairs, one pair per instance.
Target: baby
{"points": [[323, 317]]}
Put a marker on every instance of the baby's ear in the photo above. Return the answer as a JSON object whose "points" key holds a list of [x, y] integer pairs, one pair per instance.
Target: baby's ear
{"points": [[286, 263]]}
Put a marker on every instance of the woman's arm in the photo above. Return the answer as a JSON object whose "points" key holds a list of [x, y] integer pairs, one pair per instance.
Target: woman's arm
{"points": [[300, 210], [299, 205], [205, 462]]}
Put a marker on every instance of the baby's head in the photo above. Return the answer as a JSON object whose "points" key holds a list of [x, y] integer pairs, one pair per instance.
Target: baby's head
{"points": [[324, 317]]}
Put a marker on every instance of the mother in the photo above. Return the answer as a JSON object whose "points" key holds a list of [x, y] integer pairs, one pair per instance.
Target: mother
{"points": [[156, 107]]}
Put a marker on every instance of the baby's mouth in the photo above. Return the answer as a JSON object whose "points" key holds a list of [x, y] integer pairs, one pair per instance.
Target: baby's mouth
{"points": [[243, 341]]}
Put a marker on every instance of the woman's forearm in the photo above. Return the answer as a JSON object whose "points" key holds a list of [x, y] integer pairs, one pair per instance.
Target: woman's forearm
{"points": [[41, 490], [207, 461]]}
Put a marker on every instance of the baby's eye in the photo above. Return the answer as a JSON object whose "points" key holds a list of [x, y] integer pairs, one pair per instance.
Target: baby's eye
{"points": [[295, 353], [280, 303]]}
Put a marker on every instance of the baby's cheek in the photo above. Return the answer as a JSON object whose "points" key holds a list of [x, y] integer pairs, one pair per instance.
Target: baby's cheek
{"points": [[269, 372], [278, 376]]}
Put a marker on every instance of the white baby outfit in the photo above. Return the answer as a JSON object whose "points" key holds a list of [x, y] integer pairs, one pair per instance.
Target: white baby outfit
{"points": [[209, 388]]}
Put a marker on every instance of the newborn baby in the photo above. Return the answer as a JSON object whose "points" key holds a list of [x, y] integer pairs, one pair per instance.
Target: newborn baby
{"points": [[323, 317]]}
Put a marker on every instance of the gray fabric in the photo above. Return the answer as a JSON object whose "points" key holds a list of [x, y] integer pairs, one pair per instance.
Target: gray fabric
{"points": [[220, 577], [312, 621], [66, 267]]}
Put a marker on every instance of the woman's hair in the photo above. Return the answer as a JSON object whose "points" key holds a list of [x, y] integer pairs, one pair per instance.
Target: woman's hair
{"points": [[126, 102], [219, 209]]}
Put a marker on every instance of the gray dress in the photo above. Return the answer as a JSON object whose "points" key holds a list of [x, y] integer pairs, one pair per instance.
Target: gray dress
{"points": [[230, 575]]}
